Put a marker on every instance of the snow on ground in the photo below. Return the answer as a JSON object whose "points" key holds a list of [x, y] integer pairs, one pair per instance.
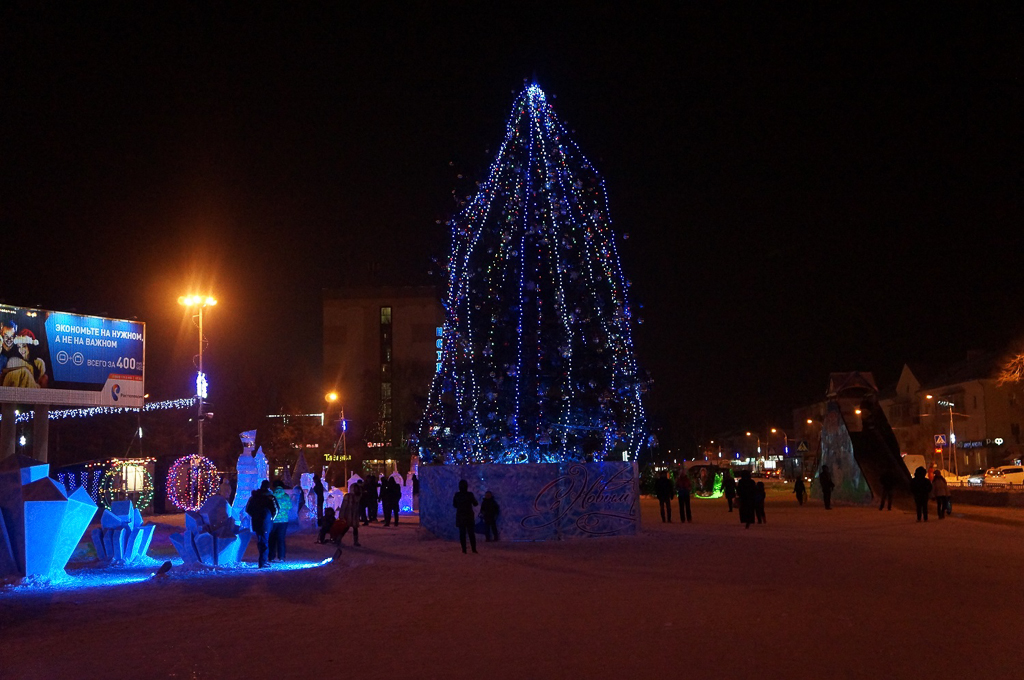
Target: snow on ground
{"points": [[849, 593]]}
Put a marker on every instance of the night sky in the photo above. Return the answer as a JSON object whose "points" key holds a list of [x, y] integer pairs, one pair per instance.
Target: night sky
{"points": [[802, 192]]}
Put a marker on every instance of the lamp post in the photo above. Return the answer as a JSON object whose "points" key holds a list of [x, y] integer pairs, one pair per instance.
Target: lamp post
{"points": [[201, 302], [331, 398], [785, 446], [948, 403]]}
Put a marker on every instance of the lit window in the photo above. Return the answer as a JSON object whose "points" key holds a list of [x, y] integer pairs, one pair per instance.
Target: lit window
{"points": [[385, 316]]}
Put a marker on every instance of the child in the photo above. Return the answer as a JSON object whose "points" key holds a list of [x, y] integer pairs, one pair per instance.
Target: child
{"points": [[326, 522], [489, 512], [759, 504]]}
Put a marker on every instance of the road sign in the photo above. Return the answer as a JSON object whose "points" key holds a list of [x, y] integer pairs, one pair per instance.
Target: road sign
{"points": [[802, 447], [940, 440]]}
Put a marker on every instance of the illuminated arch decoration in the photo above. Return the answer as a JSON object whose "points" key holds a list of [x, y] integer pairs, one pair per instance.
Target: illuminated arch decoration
{"points": [[535, 361], [191, 480], [127, 480]]}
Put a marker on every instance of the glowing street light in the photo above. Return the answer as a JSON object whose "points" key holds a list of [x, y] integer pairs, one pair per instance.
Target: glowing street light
{"points": [[201, 302], [331, 398]]}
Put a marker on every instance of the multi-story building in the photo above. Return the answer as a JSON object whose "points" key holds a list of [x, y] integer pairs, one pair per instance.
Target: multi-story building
{"points": [[960, 418], [380, 353]]}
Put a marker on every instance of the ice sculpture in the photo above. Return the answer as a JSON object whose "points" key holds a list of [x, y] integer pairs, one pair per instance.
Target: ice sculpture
{"points": [[262, 467], [41, 524], [405, 504], [251, 471], [122, 538], [211, 536]]}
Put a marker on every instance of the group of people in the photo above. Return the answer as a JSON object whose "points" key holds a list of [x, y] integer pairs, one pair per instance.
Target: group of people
{"points": [[665, 491], [749, 497], [464, 501], [268, 511]]}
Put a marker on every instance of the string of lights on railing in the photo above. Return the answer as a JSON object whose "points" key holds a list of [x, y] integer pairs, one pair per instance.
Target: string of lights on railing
{"points": [[167, 405]]}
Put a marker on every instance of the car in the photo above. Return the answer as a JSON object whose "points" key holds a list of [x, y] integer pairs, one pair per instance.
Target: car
{"points": [[1006, 474], [976, 478]]}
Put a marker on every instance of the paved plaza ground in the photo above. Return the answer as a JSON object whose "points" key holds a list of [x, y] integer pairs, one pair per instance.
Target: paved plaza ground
{"points": [[849, 593]]}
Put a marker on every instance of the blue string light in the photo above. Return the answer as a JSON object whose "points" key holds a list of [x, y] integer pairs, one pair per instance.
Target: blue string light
{"points": [[536, 360]]}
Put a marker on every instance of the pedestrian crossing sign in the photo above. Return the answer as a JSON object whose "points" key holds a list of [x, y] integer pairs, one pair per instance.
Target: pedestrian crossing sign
{"points": [[802, 447], [940, 440]]}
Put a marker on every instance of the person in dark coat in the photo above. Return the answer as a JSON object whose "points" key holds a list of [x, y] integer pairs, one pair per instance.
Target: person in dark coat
{"points": [[368, 501], [729, 487], [489, 511], [683, 490], [665, 493], [325, 524], [940, 489], [746, 491], [759, 497], [464, 502], [318, 489], [825, 478], [390, 499], [888, 481], [372, 493], [921, 488], [800, 490], [262, 507]]}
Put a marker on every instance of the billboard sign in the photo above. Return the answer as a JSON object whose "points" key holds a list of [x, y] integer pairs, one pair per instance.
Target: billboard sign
{"points": [[66, 359]]}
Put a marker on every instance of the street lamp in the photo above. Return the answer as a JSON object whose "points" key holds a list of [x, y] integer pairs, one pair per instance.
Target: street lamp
{"points": [[948, 403], [201, 302], [331, 398]]}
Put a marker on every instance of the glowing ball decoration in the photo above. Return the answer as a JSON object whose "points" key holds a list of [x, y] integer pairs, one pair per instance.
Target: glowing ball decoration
{"points": [[126, 480], [191, 481]]}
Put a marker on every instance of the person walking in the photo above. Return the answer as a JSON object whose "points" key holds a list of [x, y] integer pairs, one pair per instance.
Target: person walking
{"points": [[940, 489], [888, 481], [759, 496], [489, 511], [921, 488], [464, 502], [729, 487], [683, 490], [800, 490], [415, 492], [261, 508], [280, 526], [825, 478], [663, 490], [746, 490], [371, 495]]}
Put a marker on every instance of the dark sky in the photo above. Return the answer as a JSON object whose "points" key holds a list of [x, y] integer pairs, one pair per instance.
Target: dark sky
{"points": [[803, 192]]}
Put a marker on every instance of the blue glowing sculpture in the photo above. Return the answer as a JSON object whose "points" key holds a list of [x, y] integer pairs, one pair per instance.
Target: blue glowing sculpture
{"points": [[211, 536], [122, 537], [41, 524], [535, 361]]}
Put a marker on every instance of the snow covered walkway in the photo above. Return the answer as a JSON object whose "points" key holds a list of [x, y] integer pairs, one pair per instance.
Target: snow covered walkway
{"points": [[849, 593]]}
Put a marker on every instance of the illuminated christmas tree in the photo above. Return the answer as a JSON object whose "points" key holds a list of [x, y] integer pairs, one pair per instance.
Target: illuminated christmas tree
{"points": [[536, 356]]}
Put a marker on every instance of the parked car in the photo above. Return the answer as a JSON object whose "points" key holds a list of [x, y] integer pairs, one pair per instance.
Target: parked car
{"points": [[1006, 474]]}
